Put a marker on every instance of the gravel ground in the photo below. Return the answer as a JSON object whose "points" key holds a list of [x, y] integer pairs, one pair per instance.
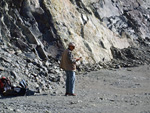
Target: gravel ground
{"points": [[125, 90]]}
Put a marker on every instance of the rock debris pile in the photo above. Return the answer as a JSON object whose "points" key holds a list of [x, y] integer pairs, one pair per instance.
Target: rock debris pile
{"points": [[40, 75]]}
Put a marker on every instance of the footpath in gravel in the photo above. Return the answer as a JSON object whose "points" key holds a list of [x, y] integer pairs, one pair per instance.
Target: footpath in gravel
{"points": [[125, 90]]}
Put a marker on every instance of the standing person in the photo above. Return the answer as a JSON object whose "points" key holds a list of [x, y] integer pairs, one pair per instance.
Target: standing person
{"points": [[68, 63]]}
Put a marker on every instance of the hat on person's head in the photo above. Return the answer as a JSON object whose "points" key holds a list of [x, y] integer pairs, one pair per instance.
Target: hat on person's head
{"points": [[72, 44]]}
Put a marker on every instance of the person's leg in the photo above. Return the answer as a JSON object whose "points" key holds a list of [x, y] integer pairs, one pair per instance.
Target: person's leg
{"points": [[67, 82], [71, 82]]}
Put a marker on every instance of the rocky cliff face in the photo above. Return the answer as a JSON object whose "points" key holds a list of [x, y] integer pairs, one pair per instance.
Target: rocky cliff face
{"points": [[95, 26], [76, 21], [33, 34]]}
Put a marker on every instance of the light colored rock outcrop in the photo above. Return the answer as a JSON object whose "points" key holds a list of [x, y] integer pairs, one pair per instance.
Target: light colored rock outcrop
{"points": [[93, 38]]}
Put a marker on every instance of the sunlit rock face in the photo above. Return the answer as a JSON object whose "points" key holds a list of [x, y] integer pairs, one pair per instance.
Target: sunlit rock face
{"points": [[47, 26], [80, 25]]}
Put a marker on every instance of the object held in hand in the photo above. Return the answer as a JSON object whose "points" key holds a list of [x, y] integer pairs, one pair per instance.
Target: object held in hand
{"points": [[78, 59]]}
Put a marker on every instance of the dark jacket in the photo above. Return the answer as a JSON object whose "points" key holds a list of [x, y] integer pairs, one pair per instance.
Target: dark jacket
{"points": [[68, 63]]}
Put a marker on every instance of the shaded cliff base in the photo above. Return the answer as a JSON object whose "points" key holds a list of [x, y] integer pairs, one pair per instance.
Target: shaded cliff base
{"points": [[127, 57]]}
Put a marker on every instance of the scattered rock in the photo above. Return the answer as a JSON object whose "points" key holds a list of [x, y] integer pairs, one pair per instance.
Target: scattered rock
{"points": [[14, 74], [1, 68]]}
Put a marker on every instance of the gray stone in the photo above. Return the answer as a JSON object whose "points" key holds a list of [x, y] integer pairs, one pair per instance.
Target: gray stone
{"points": [[14, 74], [2, 68]]}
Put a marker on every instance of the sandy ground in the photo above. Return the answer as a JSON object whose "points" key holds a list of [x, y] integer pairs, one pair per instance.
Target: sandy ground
{"points": [[125, 90]]}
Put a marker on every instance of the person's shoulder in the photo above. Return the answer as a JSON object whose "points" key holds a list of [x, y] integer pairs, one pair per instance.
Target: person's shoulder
{"points": [[64, 51], [68, 51]]}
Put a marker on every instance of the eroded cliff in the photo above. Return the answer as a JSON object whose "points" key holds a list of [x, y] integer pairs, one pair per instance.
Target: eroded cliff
{"points": [[33, 34]]}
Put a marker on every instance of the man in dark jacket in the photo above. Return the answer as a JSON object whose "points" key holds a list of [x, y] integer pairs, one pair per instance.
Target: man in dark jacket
{"points": [[68, 63]]}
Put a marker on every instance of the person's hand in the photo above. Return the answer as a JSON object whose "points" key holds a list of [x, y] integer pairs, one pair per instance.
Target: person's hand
{"points": [[78, 59]]}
